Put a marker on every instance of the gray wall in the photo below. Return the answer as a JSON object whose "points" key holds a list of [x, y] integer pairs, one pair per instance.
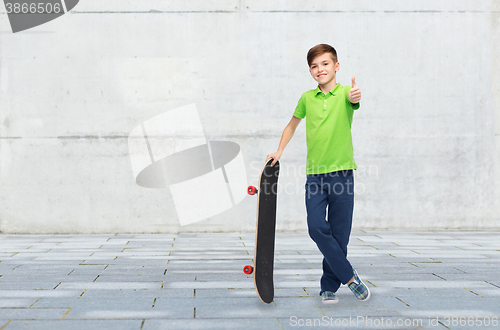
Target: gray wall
{"points": [[426, 138]]}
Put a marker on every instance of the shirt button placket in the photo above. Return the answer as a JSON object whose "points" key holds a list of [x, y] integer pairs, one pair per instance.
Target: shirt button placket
{"points": [[324, 105]]}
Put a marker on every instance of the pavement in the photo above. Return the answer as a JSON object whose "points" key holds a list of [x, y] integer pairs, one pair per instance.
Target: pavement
{"points": [[418, 280]]}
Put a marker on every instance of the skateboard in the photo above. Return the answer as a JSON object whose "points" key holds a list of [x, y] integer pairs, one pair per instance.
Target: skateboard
{"points": [[265, 232]]}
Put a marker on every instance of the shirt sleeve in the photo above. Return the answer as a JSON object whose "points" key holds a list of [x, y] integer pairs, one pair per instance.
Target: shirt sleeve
{"points": [[300, 109], [354, 106]]}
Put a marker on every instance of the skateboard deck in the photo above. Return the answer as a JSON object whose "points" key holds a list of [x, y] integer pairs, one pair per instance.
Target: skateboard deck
{"points": [[265, 231]]}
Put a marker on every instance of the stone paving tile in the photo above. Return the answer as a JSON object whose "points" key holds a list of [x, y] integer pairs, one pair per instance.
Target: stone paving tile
{"points": [[32, 313], [132, 294], [196, 280], [9, 302], [109, 303], [74, 324], [109, 285], [214, 324], [39, 293], [249, 307], [223, 293], [28, 285]]}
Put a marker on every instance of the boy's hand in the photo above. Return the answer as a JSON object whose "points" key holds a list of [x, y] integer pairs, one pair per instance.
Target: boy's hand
{"points": [[275, 156], [354, 94]]}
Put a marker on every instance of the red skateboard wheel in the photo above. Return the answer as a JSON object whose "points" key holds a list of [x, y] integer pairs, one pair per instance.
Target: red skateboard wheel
{"points": [[251, 190], [248, 269]]}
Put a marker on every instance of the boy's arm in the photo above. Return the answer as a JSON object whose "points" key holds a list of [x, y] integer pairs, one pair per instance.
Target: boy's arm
{"points": [[285, 138], [354, 94]]}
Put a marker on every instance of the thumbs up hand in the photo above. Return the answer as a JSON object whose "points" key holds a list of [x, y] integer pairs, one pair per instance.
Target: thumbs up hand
{"points": [[354, 94]]}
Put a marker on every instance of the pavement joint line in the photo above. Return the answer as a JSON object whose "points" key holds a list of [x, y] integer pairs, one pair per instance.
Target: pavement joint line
{"points": [[194, 293], [459, 248], [444, 325], [321, 311], [34, 302], [439, 276], [413, 264], [371, 283], [71, 272], [395, 243], [94, 278], [82, 293], [474, 292], [162, 284], [14, 254], [359, 239], [106, 266], [402, 301], [142, 324], [3, 326], [493, 284], [154, 302], [277, 319], [57, 286], [69, 309], [415, 251], [165, 272], [392, 255], [460, 270], [194, 313]]}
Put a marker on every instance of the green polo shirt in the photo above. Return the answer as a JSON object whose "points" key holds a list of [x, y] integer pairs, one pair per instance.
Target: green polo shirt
{"points": [[328, 129]]}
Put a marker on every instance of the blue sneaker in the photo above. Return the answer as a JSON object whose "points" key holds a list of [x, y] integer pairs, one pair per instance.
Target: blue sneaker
{"points": [[359, 288], [329, 297]]}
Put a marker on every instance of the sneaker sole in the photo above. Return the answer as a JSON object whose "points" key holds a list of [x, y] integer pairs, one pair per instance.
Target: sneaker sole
{"points": [[330, 302]]}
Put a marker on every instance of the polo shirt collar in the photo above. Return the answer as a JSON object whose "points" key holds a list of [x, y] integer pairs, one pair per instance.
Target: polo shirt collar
{"points": [[318, 90]]}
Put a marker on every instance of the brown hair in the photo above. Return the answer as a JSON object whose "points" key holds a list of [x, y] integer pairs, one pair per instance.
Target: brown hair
{"points": [[320, 50]]}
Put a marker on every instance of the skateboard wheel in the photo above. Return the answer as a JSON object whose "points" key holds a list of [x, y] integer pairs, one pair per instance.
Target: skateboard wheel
{"points": [[248, 269], [251, 190]]}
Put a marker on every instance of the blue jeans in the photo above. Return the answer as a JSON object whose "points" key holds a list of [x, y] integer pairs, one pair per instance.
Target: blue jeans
{"points": [[333, 191]]}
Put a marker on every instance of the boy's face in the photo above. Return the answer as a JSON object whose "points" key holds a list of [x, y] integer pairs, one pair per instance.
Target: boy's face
{"points": [[322, 68]]}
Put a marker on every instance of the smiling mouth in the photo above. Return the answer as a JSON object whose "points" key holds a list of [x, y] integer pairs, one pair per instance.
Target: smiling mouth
{"points": [[321, 75]]}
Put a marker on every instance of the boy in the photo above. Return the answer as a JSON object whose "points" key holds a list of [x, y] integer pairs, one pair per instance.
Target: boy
{"points": [[330, 183]]}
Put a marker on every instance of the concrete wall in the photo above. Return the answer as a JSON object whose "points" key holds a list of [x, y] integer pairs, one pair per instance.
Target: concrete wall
{"points": [[426, 138]]}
